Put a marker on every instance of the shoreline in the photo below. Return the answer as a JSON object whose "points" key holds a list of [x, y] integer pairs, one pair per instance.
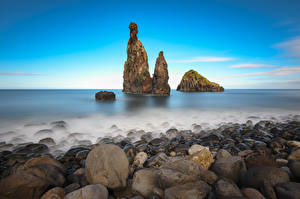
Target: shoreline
{"points": [[228, 152]]}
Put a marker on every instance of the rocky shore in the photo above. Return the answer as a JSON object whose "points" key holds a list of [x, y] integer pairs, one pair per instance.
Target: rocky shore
{"points": [[250, 161]]}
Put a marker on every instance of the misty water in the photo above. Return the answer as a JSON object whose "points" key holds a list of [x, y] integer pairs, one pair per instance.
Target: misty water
{"points": [[24, 112]]}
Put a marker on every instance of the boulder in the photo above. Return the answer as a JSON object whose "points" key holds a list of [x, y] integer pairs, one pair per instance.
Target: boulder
{"points": [[144, 182], [204, 158], [44, 159], [136, 74], [226, 188], [192, 81], [157, 160], [295, 155], [105, 96], [107, 164], [251, 193], [196, 190], [294, 166], [222, 153], [94, 191], [196, 148], [232, 168], [54, 193], [160, 84], [290, 190], [22, 185], [140, 159], [177, 171], [256, 176]]}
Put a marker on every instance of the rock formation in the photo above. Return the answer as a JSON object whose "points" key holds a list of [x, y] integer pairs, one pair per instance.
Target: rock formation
{"points": [[194, 82], [136, 69], [160, 84]]}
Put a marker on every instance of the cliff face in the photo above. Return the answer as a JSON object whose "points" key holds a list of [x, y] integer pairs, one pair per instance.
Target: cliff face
{"points": [[160, 84], [136, 69], [194, 82]]}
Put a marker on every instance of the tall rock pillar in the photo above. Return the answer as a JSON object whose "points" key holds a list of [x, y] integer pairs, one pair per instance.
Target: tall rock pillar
{"points": [[136, 74]]}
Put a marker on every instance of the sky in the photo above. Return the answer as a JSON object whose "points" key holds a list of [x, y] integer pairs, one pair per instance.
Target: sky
{"points": [[59, 44]]}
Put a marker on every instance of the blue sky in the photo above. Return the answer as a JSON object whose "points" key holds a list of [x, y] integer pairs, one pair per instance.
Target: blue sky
{"points": [[82, 43]]}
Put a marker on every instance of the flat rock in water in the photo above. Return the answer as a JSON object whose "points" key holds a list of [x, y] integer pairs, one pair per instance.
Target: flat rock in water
{"points": [[105, 96]]}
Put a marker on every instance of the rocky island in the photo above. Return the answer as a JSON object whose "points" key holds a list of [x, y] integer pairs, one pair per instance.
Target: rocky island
{"points": [[137, 79], [192, 81]]}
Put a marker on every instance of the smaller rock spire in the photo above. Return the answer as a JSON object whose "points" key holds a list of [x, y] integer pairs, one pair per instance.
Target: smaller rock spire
{"points": [[160, 78]]}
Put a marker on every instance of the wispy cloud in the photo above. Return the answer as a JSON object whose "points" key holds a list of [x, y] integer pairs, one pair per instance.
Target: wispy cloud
{"points": [[290, 47], [283, 71], [18, 74], [249, 65], [203, 59]]}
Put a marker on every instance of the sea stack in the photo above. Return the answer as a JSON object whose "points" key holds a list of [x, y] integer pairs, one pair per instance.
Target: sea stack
{"points": [[136, 74], [192, 81], [160, 84]]}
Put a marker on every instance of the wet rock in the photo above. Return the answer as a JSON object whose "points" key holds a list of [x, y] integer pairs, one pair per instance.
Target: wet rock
{"points": [[251, 193], [160, 84], [171, 133], [32, 148], [232, 168], [47, 141], [147, 137], [81, 155], [54, 193], [140, 159], [257, 175], [194, 82], [197, 190], [44, 132], [222, 154], [157, 160], [157, 142], [144, 182], [204, 158], [94, 191], [136, 69], [107, 164], [105, 96], [225, 189], [177, 171], [290, 190]]}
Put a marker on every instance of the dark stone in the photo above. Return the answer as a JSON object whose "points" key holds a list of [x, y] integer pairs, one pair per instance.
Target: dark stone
{"points": [[256, 176], [105, 96], [225, 189], [233, 168], [290, 190]]}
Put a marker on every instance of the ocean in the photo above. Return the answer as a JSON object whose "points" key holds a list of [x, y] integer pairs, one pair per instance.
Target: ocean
{"points": [[25, 112]]}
